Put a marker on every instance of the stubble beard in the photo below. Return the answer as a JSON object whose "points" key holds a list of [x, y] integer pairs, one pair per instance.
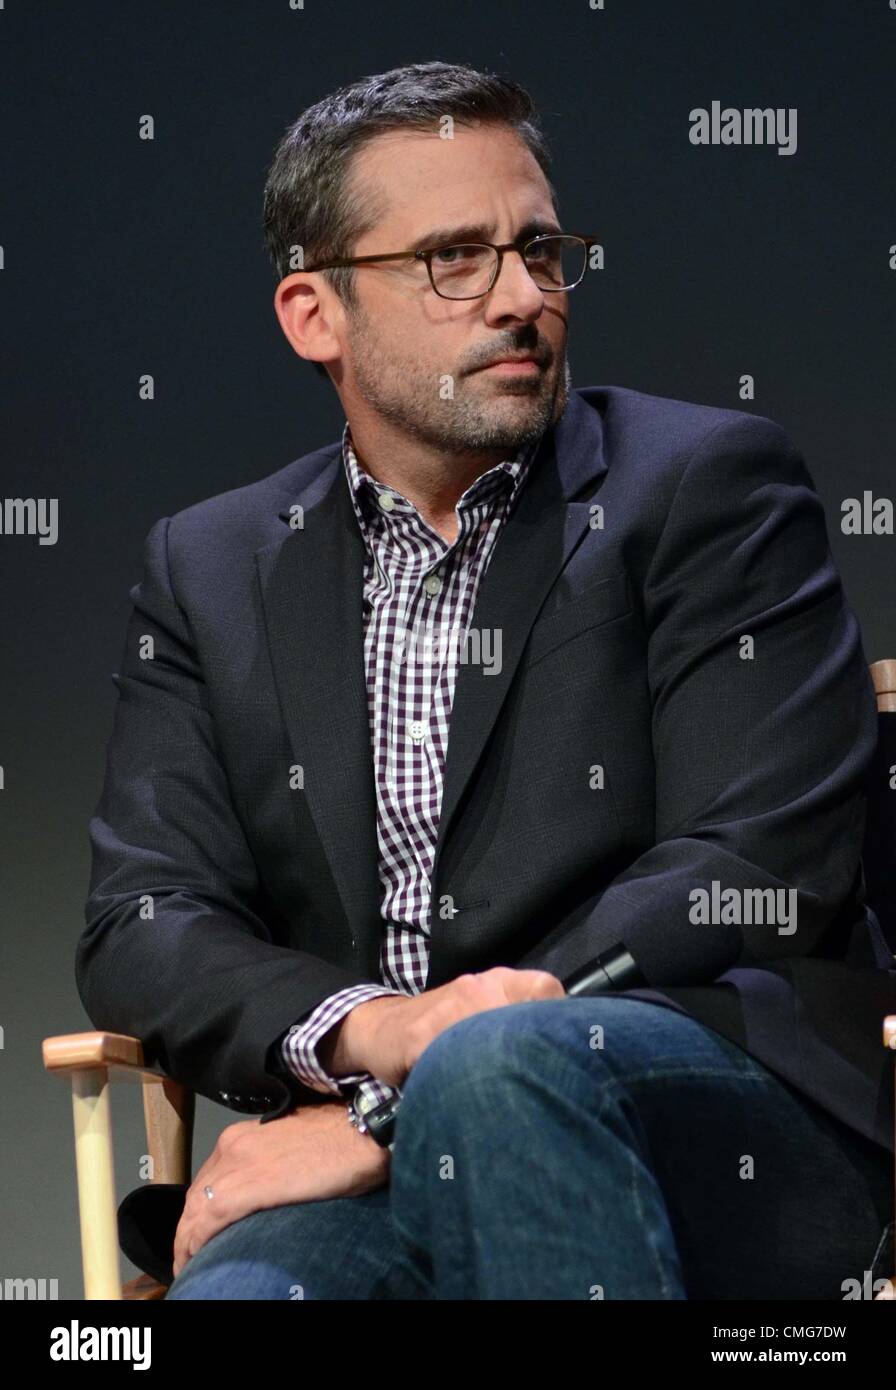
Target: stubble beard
{"points": [[411, 397]]}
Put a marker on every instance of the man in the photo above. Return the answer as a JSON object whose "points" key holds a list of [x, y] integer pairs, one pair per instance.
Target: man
{"points": [[308, 902]]}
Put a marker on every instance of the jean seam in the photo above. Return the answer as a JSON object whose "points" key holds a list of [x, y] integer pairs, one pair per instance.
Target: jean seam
{"points": [[687, 1071], [610, 1091], [657, 1262]]}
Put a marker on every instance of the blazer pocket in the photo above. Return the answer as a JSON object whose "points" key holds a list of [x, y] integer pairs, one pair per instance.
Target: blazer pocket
{"points": [[597, 603]]}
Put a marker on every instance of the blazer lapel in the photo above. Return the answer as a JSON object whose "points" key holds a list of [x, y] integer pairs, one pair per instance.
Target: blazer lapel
{"points": [[311, 589]]}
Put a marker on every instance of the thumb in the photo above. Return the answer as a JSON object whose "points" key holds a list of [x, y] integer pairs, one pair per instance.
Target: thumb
{"points": [[534, 984]]}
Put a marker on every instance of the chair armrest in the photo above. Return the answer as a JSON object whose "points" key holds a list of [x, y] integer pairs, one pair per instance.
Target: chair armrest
{"points": [[168, 1105], [119, 1054]]}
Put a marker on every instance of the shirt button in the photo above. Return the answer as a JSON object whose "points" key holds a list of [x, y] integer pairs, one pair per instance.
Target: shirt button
{"points": [[386, 501], [432, 583], [417, 730]]}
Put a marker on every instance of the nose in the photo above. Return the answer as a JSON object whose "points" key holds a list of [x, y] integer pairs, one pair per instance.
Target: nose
{"points": [[514, 294]]}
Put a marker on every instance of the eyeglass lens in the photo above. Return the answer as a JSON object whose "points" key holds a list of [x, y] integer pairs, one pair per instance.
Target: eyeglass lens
{"points": [[462, 272]]}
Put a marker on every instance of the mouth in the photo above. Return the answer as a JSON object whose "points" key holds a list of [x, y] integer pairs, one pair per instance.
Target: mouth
{"points": [[514, 366]]}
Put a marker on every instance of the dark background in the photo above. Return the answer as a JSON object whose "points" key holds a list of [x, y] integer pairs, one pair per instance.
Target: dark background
{"points": [[125, 257]]}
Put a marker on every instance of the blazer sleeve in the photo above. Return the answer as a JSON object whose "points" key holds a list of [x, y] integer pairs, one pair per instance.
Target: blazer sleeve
{"points": [[178, 948], [763, 725]]}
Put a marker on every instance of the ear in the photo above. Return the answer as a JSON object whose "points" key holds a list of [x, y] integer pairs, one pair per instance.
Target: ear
{"points": [[307, 309]]}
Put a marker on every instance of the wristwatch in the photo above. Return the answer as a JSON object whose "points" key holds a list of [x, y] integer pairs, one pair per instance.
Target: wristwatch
{"points": [[376, 1120]]}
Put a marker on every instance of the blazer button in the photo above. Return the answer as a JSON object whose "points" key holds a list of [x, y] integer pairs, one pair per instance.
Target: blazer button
{"points": [[224, 1095]]}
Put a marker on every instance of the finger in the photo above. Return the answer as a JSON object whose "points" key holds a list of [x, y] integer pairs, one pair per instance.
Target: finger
{"points": [[198, 1223], [193, 1230], [192, 1206], [184, 1236], [534, 984], [230, 1203], [182, 1242]]}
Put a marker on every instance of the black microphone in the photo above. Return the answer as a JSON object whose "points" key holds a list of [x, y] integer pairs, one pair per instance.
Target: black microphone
{"points": [[612, 970]]}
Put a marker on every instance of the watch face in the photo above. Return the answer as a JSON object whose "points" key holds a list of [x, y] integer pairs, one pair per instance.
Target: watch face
{"points": [[360, 1107]]}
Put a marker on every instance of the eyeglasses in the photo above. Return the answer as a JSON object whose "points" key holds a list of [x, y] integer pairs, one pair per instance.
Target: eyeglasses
{"points": [[556, 262]]}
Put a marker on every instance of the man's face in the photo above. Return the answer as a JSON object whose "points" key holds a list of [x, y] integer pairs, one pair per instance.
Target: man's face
{"points": [[414, 358]]}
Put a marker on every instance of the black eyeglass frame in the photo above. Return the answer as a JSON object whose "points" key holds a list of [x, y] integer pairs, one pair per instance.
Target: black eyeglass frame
{"points": [[521, 246]]}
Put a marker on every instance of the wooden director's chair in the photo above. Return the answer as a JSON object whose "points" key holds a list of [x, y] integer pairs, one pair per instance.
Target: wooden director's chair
{"points": [[94, 1060]]}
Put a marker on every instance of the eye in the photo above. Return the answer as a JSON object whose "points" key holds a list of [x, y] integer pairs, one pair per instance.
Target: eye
{"points": [[541, 251], [457, 255]]}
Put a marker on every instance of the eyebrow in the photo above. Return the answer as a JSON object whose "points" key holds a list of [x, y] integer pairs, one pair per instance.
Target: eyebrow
{"points": [[481, 231]]}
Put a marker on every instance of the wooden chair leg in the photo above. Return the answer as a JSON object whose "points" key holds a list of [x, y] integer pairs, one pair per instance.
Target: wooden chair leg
{"points": [[169, 1110], [96, 1183]]}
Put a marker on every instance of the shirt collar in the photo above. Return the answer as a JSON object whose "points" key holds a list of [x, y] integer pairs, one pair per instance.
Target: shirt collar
{"points": [[510, 473]]}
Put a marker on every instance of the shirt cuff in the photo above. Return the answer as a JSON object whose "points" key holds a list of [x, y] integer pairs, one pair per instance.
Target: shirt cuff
{"points": [[300, 1043]]}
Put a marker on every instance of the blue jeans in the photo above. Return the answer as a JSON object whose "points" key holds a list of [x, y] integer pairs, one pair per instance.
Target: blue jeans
{"points": [[580, 1148]]}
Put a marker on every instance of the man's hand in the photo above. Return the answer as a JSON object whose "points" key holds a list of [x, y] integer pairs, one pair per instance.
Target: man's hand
{"points": [[305, 1156], [386, 1036]]}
